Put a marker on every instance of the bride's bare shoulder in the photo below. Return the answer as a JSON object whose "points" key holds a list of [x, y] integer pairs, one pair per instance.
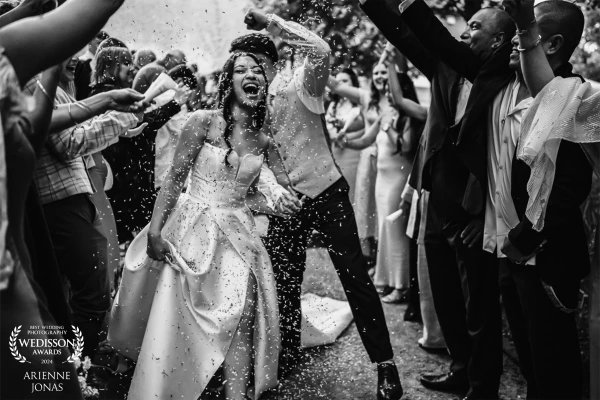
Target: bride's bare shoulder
{"points": [[209, 122], [202, 118]]}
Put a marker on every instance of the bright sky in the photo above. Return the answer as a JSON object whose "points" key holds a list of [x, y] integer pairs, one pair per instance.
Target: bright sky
{"points": [[203, 29]]}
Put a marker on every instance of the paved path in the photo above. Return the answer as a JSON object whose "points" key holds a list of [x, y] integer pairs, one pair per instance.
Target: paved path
{"points": [[342, 371]]}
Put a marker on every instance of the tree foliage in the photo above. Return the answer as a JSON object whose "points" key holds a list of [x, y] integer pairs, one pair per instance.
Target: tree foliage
{"points": [[587, 57]]}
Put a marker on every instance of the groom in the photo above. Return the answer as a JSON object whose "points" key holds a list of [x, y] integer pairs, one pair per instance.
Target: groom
{"points": [[298, 131]]}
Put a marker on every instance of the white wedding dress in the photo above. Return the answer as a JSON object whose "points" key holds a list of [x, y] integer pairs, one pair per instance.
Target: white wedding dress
{"points": [[180, 317]]}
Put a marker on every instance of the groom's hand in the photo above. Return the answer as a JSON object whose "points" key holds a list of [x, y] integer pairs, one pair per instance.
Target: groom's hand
{"points": [[288, 204], [255, 20]]}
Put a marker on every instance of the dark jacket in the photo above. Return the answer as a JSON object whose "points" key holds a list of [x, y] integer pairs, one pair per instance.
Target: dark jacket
{"points": [[83, 76], [565, 254], [418, 34]]}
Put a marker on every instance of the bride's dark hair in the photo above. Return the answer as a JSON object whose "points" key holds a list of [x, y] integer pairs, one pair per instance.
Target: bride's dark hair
{"points": [[226, 96]]}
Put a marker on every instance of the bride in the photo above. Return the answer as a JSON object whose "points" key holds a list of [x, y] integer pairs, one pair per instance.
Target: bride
{"points": [[198, 290]]}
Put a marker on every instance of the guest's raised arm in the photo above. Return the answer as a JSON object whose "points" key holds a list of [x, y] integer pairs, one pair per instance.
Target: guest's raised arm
{"points": [[35, 44], [27, 8], [348, 91], [411, 108], [436, 38], [535, 67], [393, 28]]}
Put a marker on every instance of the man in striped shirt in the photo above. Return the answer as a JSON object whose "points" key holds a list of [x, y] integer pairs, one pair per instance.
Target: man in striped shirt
{"points": [[77, 130]]}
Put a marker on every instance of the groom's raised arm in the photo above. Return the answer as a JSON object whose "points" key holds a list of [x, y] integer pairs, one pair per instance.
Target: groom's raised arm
{"points": [[314, 72], [390, 24]]}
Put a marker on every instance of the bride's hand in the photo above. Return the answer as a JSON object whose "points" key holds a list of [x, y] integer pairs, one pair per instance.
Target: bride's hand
{"points": [[158, 248], [342, 140], [288, 204]]}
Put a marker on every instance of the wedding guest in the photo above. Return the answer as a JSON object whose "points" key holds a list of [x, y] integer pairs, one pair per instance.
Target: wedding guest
{"points": [[396, 142], [432, 339], [30, 46], [298, 125], [142, 58], [168, 135], [451, 164], [15, 10], [374, 103], [550, 180], [344, 116], [83, 72], [131, 160], [149, 72], [512, 237], [65, 188], [93, 46]]}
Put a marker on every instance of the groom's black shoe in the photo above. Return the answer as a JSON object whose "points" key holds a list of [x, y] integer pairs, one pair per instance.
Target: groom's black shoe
{"points": [[388, 382]]}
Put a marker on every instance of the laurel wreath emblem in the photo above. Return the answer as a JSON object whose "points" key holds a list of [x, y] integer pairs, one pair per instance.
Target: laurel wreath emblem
{"points": [[12, 345], [78, 346]]}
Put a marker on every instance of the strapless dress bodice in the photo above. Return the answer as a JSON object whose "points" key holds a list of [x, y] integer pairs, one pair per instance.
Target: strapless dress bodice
{"points": [[218, 185]]}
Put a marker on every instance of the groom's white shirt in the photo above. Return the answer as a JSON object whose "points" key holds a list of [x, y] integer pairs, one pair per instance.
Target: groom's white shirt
{"points": [[297, 104]]}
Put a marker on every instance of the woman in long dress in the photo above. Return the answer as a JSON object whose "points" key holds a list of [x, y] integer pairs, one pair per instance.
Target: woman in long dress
{"points": [[373, 104], [197, 279], [396, 140]]}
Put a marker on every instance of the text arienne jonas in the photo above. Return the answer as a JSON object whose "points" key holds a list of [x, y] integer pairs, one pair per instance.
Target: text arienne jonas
{"points": [[50, 378]]}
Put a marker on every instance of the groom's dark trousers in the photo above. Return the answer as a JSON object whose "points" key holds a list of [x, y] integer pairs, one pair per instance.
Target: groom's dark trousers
{"points": [[332, 215]]}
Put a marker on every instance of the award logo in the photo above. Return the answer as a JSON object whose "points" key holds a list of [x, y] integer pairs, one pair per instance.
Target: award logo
{"points": [[39, 345]]}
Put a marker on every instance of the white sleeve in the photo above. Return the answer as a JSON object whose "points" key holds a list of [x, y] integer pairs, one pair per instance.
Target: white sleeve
{"points": [[268, 186], [311, 78]]}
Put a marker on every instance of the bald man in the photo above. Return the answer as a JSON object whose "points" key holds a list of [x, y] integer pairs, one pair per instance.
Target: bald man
{"points": [[151, 71], [451, 163]]}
